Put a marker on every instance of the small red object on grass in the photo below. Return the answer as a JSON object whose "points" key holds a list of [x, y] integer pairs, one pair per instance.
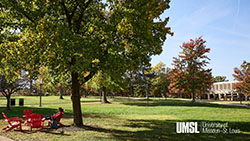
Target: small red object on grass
{"points": [[13, 123]]}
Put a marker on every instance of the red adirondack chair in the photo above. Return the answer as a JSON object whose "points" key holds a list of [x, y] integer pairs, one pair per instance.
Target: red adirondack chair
{"points": [[58, 117], [13, 123], [27, 114], [36, 121]]}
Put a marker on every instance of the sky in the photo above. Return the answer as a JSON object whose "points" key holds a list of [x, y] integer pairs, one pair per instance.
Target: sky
{"points": [[224, 24]]}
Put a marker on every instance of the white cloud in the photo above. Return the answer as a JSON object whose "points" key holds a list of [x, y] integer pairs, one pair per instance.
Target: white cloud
{"points": [[199, 19]]}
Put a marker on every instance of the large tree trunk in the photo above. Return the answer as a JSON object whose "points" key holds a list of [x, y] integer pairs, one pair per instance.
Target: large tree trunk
{"points": [[61, 92], [8, 102], [75, 97], [246, 98], [104, 98]]}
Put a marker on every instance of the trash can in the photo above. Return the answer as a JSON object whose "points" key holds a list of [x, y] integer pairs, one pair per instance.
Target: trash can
{"points": [[12, 102], [21, 101]]}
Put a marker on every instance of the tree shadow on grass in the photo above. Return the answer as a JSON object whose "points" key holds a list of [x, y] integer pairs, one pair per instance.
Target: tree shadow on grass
{"points": [[129, 99], [47, 130], [165, 130], [177, 103], [18, 111], [89, 101], [87, 115]]}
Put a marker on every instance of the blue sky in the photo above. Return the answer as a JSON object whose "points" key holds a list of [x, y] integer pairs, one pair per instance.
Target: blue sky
{"points": [[224, 24]]}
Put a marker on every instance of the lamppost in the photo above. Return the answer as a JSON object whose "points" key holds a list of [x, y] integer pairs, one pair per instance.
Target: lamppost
{"points": [[41, 86]]}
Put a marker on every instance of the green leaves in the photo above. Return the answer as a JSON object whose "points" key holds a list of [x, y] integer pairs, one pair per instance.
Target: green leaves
{"points": [[220, 79], [102, 79], [82, 36], [161, 81]]}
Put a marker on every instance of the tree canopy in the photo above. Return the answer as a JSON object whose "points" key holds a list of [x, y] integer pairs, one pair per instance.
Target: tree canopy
{"points": [[220, 79], [7, 88], [81, 37], [242, 75], [161, 80], [190, 74]]}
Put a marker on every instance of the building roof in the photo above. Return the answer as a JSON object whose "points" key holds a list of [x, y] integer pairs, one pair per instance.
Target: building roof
{"points": [[226, 82]]}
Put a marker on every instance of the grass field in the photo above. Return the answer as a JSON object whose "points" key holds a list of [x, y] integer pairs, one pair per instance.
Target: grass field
{"points": [[130, 119]]}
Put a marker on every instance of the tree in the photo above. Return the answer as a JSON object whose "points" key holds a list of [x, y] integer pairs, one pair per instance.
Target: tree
{"points": [[11, 79], [44, 78], [50, 82], [220, 79], [140, 81], [161, 81], [62, 81], [130, 78], [8, 88], [83, 37], [190, 73], [242, 75], [103, 83]]}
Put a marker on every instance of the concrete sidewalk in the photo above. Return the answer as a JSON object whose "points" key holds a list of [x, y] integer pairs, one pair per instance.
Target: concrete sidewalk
{"points": [[226, 104], [236, 105], [2, 138]]}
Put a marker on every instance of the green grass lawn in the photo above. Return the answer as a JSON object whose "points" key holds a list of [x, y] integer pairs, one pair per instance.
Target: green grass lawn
{"points": [[130, 119]]}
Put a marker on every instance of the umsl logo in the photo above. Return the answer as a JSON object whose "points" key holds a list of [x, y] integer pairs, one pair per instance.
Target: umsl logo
{"points": [[187, 127]]}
